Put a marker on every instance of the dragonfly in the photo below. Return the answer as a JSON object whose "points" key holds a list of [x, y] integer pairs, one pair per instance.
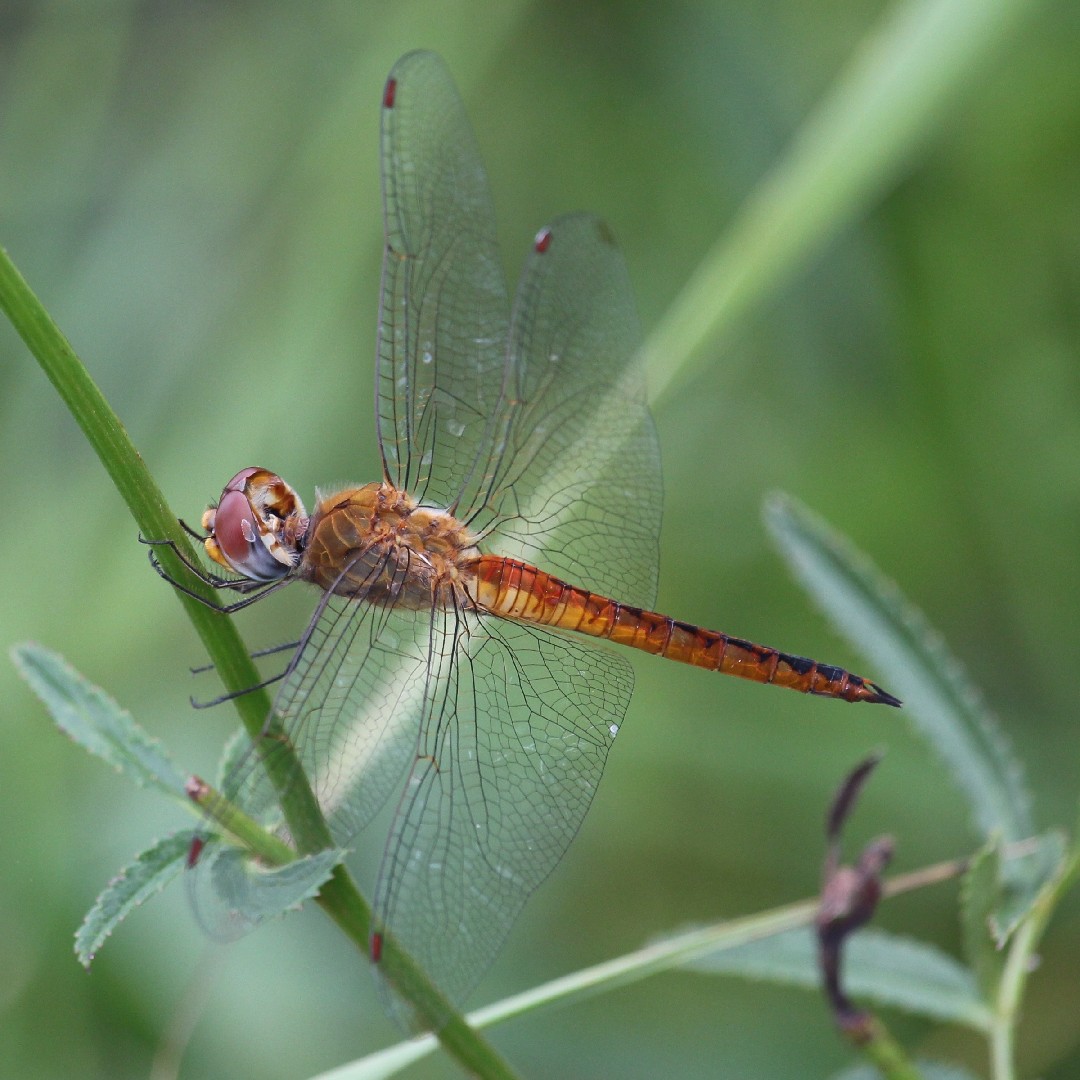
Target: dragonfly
{"points": [[459, 657]]}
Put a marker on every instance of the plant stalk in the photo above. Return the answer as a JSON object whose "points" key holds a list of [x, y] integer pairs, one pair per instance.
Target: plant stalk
{"points": [[106, 435]]}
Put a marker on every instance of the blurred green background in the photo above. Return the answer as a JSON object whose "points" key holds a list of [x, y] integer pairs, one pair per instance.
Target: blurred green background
{"points": [[192, 190]]}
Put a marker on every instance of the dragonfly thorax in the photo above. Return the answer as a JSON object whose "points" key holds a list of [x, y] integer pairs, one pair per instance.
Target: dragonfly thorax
{"points": [[377, 542]]}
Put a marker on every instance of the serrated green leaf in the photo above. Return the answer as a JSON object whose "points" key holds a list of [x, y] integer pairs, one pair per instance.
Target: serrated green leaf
{"points": [[980, 894], [997, 893], [95, 721], [249, 893], [890, 970], [236, 750], [1024, 878], [939, 700], [151, 871]]}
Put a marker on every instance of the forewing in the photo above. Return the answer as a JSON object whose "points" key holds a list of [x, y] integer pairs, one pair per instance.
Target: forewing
{"points": [[578, 491], [350, 706], [512, 744], [444, 311]]}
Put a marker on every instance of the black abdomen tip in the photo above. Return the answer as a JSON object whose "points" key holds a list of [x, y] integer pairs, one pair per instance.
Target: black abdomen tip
{"points": [[883, 696]]}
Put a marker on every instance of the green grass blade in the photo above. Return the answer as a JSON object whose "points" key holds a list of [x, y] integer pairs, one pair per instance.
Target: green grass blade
{"points": [[882, 109], [653, 958], [914, 664], [339, 896]]}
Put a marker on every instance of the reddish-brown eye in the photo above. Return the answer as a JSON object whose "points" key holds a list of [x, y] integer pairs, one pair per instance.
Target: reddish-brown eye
{"points": [[235, 531], [243, 529]]}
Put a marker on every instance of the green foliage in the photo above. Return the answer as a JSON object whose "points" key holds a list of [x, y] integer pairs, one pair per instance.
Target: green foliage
{"points": [[1025, 882], [250, 894], [883, 968]]}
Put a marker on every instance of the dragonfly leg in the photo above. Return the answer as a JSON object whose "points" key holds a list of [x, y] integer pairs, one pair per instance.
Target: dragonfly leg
{"points": [[254, 590], [258, 654], [213, 580], [232, 694]]}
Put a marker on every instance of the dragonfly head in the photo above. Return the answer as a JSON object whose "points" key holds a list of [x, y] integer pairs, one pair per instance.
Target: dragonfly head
{"points": [[258, 527]]}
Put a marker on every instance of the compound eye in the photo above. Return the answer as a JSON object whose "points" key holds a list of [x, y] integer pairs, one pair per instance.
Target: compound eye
{"points": [[242, 537]]}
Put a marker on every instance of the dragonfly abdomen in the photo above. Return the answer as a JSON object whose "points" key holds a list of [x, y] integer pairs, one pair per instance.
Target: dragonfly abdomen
{"points": [[515, 590]]}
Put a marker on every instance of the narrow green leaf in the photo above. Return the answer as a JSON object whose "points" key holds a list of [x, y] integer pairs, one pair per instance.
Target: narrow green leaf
{"points": [[95, 721], [137, 882], [383, 1063], [887, 969], [980, 894], [898, 86], [939, 700], [662, 955]]}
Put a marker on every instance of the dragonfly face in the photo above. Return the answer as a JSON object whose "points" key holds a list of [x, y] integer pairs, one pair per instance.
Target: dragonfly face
{"points": [[258, 527]]}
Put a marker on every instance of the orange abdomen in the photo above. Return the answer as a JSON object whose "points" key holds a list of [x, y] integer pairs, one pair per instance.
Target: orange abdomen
{"points": [[515, 590]]}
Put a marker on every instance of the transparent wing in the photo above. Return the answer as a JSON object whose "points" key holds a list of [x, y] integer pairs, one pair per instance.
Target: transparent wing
{"points": [[515, 733], [577, 489], [537, 432], [503, 730], [350, 705], [444, 310]]}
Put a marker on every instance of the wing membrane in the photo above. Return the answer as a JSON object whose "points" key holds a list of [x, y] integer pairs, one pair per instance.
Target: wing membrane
{"points": [[444, 310], [350, 705], [578, 489], [515, 733]]}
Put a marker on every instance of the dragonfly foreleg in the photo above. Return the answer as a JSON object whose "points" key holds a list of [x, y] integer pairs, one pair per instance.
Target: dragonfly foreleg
{"points": [[213, 580], [254, 590]]}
